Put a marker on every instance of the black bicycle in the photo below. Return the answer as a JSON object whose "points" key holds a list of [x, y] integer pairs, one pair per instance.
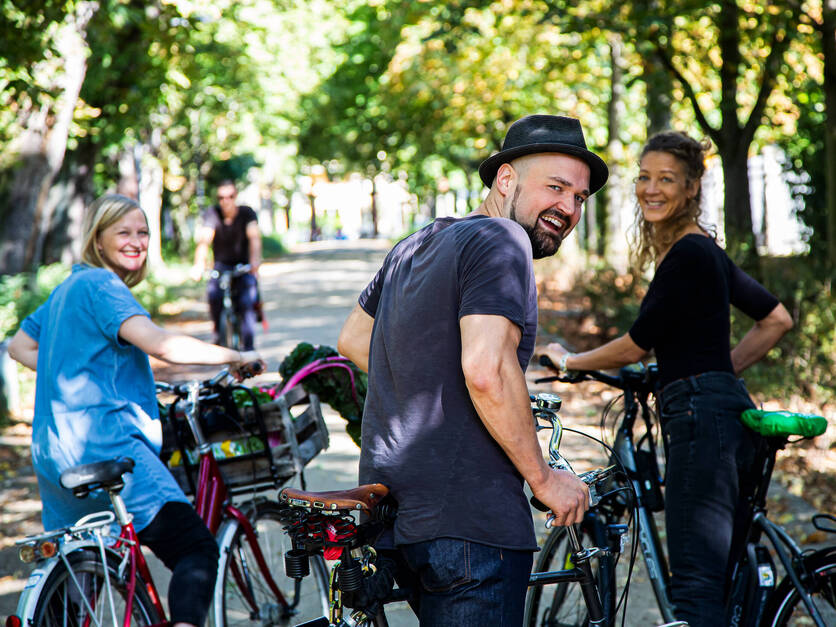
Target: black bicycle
{"points": [[323, 523], [805, 596], [229, 322]]}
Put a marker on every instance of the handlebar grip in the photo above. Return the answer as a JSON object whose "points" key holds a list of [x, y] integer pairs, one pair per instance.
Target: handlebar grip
{"points": [[547, 362], [538, 504]]}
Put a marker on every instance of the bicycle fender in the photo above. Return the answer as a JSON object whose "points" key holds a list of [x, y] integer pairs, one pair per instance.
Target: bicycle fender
{"points": [[224, 539], [37, 580]]}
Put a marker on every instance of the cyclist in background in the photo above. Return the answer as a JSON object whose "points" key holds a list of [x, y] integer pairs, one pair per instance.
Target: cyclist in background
{"points": [[685, 318], [95, 398], [232, 232], [446, 329]]}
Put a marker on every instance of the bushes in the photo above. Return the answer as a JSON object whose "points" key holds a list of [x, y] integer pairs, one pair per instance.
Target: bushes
{"points": [[804, 361]]}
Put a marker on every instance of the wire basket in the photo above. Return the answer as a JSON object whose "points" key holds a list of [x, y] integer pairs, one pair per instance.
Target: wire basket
{"points": [[257, 447]]}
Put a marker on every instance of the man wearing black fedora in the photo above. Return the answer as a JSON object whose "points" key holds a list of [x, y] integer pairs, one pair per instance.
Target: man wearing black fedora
{"points": [[445, 330]]}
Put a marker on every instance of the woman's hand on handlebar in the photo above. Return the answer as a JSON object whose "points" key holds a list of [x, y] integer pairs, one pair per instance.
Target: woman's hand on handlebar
{"points": [[566, 495], [555, 353], [249, 365]]}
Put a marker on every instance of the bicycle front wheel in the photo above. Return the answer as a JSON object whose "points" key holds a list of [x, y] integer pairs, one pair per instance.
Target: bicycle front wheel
{"points": [[246, 597], [81, 597], [786, 607], [562, 604], [226, 330]]}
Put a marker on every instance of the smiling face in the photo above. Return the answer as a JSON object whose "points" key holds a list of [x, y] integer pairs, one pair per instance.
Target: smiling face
{"points": [[548, 198], [124, 244], [663, 187]]}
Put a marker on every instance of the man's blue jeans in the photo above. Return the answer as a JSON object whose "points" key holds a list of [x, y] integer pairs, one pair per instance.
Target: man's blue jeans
{"points": [[710, 459], [466, 584]]}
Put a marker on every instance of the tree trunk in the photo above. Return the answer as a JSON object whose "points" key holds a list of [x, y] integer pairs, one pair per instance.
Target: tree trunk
{"points": [[609, 207], [829, 48], [737, 208], [659, 90], [27, 222], [374, 207]]}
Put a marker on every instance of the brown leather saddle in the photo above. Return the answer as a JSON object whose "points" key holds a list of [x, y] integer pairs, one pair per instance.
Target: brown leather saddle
{"points": [[362, 498]]}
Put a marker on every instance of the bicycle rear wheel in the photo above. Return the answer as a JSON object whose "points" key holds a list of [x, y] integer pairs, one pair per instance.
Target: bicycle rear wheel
{"points": [[786, 607], [562, 604], [81, 598], [246, 597]]}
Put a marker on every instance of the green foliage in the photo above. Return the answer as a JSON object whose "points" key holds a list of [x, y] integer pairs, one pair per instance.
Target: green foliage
{"points": [[332, 385], [804, 361], [272, 246], [21, 294], [806, 165]]}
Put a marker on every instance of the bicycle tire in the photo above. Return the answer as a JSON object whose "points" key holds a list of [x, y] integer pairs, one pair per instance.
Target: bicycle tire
{"points": [[785, 608], [234, 609], [562, 604], [60, 602], [226, 330]]}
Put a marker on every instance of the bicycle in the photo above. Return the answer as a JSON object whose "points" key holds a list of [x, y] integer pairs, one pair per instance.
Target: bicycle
{"points": [[251, 585], [229, 322], [808, 589], [323, 523]]}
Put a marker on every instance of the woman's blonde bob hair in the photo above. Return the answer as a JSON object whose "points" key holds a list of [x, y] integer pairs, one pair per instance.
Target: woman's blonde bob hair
{"points": [[102, 213]]}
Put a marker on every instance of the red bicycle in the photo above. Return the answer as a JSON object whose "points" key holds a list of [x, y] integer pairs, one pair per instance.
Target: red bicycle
{"points": [[88, 576]]}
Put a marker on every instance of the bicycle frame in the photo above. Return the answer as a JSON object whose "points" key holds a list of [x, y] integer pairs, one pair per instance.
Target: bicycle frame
{"points": [[743, 608], [212, 502], [648, 534]]}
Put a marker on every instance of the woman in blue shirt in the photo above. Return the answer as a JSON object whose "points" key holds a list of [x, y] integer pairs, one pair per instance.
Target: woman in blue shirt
{"points": [[95, 398], [685, 319]]}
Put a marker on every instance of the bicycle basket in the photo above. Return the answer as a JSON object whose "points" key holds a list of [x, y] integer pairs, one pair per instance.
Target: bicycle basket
{"points": [[258, 447]]}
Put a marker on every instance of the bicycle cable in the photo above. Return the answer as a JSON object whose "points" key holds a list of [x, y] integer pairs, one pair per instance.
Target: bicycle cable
{"points": [[634, 543]]}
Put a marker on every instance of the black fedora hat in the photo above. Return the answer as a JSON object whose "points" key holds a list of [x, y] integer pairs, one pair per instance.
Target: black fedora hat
{"points": [[545, 133]]}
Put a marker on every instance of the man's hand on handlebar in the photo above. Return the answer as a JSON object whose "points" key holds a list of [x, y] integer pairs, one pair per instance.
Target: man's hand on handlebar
{"points": [[566, 495]]}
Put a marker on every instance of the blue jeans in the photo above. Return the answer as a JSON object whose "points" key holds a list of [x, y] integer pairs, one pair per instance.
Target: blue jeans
{"points": [[462, 583], [710, 456], [245, 295]]}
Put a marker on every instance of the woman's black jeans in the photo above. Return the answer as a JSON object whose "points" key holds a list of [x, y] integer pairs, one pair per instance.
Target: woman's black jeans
{"points": [[710, 453]]}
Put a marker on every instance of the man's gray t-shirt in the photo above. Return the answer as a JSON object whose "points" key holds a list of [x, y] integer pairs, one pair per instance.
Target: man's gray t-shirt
{"points": [[421, 434]]}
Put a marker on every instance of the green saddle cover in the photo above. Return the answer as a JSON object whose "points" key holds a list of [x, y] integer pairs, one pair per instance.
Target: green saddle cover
{"points": [[783, 423]]}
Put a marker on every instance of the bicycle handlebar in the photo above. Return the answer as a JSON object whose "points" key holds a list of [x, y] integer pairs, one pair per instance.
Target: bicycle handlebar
{"points": [[630, 378], [246, 371]]}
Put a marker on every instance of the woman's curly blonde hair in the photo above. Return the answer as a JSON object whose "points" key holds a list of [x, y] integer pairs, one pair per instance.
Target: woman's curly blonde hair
{"points": [[101, 213], [652, 239]]}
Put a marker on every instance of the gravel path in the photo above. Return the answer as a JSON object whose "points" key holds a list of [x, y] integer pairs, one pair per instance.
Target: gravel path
{"points": [[307, 296]]}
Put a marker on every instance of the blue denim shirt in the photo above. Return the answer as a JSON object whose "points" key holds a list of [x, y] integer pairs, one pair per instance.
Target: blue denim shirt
{"points": [[94, 398]]}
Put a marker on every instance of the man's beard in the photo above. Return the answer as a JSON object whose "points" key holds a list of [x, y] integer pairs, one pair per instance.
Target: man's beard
{"points": [[542, 244]]}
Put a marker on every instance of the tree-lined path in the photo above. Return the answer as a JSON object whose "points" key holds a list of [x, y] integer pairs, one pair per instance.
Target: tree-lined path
{"points": [[307, 296]]}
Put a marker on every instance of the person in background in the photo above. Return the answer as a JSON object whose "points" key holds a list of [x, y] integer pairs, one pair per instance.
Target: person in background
{"points": [[95, 398], [685, 319], [445, 330], [232, 232]]}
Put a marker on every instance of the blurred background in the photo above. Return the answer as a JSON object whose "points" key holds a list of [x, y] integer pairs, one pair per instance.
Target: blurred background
{"points": [[349, 119]]}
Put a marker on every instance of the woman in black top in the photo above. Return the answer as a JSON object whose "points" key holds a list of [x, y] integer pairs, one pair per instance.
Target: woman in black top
{"points": [[684, 318]]}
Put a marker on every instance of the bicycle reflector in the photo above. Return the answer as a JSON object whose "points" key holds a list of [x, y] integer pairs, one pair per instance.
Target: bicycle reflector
{"points": [[47, 549], [13, 621], [31, 552], [27, 553]]}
